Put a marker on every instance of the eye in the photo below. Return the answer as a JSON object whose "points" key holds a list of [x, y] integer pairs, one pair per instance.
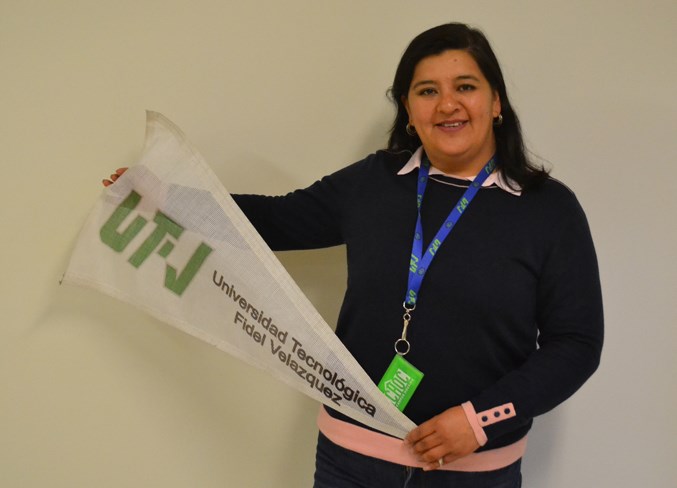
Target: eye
{"points": [[426, 91], [466, 87]]}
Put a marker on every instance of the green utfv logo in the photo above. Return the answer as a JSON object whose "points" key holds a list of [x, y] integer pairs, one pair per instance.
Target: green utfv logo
{"points": [[118, 240]]}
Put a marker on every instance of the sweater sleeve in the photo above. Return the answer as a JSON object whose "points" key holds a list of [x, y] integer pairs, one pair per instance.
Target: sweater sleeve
{"points": [[304, 219], [570, 324]]}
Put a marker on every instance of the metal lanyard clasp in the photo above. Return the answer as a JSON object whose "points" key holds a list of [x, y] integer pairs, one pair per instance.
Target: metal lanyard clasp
{"points": [[402, 345]]}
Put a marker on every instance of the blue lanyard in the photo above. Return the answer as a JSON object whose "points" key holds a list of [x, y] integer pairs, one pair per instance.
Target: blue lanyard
{"points": [[419, 262]]}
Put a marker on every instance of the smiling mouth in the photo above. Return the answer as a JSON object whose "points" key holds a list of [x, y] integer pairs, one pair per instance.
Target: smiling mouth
{"points": [[451, 125]]}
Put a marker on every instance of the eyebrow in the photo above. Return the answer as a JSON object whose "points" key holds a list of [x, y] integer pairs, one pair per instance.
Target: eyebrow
{"points": [[458, 78]]}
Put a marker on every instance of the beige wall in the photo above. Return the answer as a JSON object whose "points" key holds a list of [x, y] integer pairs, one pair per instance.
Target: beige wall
{"points": [[276, 94]]}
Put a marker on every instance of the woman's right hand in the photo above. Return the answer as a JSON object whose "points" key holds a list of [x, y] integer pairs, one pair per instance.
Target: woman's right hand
{"points": [[118, 172]]}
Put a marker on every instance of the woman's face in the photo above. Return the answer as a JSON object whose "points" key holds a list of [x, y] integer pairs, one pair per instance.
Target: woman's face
{"points": [[452, 106]]}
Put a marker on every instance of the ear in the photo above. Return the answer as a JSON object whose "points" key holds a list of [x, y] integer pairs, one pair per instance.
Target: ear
{"points": [[405, 102], [496, 105]]}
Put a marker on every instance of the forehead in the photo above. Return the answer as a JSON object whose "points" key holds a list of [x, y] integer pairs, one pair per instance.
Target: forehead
{"points": [[452, 63]]}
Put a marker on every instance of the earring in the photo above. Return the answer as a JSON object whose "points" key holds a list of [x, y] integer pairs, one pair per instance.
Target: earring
{"points": [[410, 129], [498, 120]]}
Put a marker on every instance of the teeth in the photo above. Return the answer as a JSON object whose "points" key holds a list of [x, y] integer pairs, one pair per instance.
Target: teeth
{"points": [[455, 124]]}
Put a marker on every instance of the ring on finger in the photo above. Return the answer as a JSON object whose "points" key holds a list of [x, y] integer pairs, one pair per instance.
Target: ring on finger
{"points": [[440, 461]]}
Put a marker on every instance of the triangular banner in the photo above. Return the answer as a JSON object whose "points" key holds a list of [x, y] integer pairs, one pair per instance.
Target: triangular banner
{"points": [[168, 238]]}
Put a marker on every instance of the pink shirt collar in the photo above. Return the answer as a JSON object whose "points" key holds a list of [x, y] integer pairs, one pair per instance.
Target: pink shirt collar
{"points": [[494, 178]]}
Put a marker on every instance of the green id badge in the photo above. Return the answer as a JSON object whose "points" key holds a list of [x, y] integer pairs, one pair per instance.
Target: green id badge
{"points": [[400, 381]]}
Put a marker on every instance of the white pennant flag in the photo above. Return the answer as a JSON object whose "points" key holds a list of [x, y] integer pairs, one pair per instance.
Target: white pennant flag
{"points": [[168, 238]]}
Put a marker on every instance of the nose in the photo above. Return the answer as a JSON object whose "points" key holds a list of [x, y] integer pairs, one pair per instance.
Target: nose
{"points": [[447, 102]]}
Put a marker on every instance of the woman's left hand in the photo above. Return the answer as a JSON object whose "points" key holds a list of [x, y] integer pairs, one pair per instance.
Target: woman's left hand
{"points": [[446, 437]]}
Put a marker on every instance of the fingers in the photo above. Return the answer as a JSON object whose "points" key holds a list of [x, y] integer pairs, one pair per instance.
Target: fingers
{"points": [[447, 436], [431, 457], [113, 177], [441, 461], [424, 445], [420, 432]]}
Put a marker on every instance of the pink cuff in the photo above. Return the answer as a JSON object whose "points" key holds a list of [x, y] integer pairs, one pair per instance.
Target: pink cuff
{"points": [[487, 417], [471, 415], [496, 414]]}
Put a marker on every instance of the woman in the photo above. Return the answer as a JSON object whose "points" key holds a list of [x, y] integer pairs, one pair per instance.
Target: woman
{"points": [[465, 258]]}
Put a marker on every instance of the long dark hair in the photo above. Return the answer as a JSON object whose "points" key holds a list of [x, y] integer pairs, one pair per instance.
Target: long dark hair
{"points": [[511, 155]]}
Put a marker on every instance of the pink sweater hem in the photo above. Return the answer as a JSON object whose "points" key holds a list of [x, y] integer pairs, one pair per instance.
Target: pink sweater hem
{"points": [[381, 446]]}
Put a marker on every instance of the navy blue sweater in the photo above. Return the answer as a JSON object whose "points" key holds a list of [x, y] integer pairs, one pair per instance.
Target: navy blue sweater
{"points": [[510, 310]]}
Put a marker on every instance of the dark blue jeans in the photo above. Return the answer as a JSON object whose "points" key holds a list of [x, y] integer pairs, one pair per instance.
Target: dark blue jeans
{"points": [[336, 467]]}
